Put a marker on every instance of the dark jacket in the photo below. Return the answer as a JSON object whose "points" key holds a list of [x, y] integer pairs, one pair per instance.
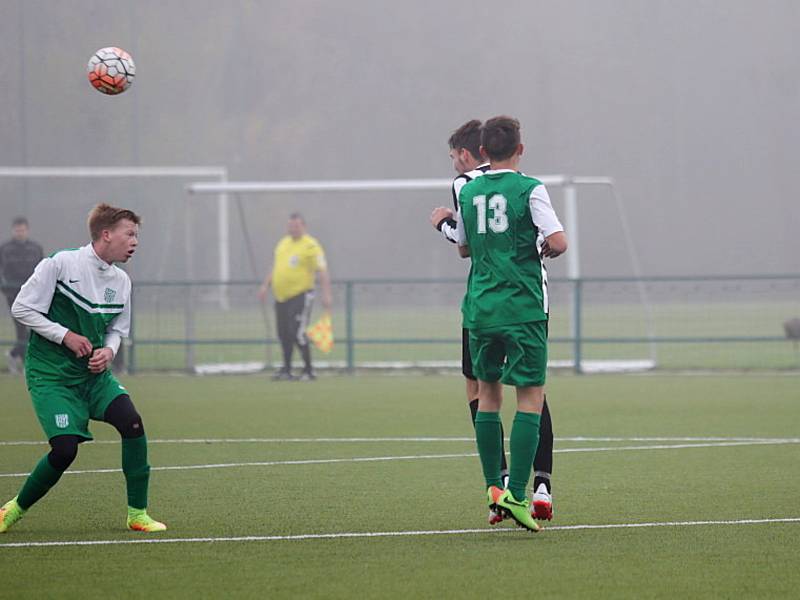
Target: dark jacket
{"points": [[17, 262]]}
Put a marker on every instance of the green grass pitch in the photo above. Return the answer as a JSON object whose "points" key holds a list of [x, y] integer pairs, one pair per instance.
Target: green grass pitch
{"points": [[597, 481]]}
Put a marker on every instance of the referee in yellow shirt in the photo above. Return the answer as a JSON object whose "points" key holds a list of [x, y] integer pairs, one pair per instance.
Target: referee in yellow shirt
{"points": [[298, 259]]}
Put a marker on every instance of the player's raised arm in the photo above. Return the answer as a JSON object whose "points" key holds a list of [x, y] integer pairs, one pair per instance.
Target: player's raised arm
{"points": [[546, 221], [554, 245], [442, 219]]}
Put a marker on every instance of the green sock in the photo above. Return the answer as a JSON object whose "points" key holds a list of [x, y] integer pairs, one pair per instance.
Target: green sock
{"points": [[489, 436], [39, 482], [136, 470], [524, 440]]}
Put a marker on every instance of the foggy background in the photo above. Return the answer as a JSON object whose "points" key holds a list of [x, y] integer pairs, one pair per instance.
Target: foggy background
{"points": [[692, 106]]}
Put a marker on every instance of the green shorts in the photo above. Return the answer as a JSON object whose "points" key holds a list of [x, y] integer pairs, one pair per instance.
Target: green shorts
{"points": [[66, 409], [513, 354]]}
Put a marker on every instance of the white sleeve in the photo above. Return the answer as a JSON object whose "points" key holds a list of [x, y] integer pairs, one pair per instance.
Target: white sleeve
{"points": [[112, 341], [542, 213], [119, 328], [34, 299], [461, 236], [449, 231]]}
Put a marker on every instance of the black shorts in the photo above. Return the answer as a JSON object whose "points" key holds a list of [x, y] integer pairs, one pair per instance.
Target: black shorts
{"points": [[466, 358], [292, 317]]}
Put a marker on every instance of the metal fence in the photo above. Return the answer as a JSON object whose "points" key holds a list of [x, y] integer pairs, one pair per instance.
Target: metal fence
{"points": [[597, 324]]}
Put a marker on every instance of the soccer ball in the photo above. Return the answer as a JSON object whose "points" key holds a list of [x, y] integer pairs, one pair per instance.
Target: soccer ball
{"points": [[111, 70]]}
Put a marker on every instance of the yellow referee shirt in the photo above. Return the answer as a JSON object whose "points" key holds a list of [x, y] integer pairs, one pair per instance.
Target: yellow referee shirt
{"points": [[296, 264]]}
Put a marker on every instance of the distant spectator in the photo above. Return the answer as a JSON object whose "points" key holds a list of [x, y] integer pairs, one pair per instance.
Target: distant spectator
{"points": [[18, 258], [299, 258]]}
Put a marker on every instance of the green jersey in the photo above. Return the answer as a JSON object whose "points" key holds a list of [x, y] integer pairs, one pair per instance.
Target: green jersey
{"points": [[503, 217], [72, 290]]}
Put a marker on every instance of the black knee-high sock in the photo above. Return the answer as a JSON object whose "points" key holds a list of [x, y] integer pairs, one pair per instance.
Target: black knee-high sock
{"points": [[543, 461], [473, 409]]}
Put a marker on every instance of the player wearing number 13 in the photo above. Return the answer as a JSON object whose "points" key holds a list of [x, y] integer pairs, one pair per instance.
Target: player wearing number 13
{"points": [[507, 225]]}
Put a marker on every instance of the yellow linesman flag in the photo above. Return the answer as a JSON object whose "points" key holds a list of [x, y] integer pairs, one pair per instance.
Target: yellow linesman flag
{"points": [[321, 333]]}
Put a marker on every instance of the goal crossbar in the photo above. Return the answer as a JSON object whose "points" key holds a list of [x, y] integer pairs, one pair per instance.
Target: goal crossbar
{"points": [[363, 185]]}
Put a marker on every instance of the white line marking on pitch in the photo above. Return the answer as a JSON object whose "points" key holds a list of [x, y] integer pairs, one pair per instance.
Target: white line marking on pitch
{"points": [[270, 463], [681, 446], [322, 461], [351, 440], [375, 534]]}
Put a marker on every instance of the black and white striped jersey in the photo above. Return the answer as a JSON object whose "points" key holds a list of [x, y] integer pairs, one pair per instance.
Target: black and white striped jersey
{"points": [[448, 226]]}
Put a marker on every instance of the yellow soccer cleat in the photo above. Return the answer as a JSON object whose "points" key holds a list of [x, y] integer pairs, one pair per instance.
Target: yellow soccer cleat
{"points": [[10, 513], [139, 520], [509, 506]]}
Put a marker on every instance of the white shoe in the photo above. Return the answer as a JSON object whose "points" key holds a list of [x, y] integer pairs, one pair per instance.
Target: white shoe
{"points": [[542, 504]]}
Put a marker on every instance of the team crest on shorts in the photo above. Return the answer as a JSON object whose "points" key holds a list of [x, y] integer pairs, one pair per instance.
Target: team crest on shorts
{"points": [[109, 296], [62, 421]]}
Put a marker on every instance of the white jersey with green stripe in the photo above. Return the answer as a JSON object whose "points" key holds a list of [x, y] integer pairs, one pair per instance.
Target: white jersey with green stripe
{"points": [[72, 290]]}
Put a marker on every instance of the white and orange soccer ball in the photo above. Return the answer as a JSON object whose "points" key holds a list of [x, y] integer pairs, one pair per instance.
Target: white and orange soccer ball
{"points": [[111, 70]]}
